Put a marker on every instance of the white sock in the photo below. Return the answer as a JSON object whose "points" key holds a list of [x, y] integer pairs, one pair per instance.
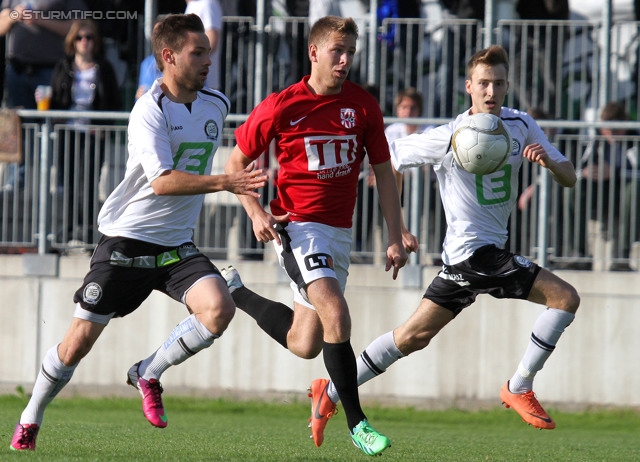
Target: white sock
{"points": [[546, 331], [52, 378], [188, 337], [373, 361]]}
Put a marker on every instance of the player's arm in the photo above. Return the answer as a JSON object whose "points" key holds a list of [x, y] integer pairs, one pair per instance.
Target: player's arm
{"points": [[263, 222], [409, 241], [178, 183], [392, 212], [563, 172]]}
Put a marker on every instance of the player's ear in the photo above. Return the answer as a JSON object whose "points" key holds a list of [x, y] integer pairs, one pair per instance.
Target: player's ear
{"points": [[467, 86], [313, 53], [167, 56]]}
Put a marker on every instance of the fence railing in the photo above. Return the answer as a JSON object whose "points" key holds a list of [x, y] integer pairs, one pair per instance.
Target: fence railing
{"points": [[70, 170]]}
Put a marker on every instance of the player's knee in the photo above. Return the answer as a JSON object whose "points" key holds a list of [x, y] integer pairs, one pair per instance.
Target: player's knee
{"points": [[305, 347], [225, 313], [217, 317], [570, 300], [309, 352]]}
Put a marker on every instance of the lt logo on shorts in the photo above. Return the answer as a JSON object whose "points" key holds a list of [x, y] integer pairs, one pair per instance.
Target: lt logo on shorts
{"points": [[317, 261]]}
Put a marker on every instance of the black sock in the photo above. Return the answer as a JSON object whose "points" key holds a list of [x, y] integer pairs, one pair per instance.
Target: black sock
{"points": [[273, 317], [340, 362]]}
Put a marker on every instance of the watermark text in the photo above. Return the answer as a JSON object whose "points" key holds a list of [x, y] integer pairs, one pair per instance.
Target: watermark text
{"points": [[73, 15]]}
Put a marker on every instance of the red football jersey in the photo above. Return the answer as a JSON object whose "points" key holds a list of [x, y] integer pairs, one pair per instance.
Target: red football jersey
{"points": [[321, 141]]}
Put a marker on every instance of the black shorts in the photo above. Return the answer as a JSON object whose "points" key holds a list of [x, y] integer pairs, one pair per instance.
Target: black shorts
{"points": [[119, 282], [489, 270]]}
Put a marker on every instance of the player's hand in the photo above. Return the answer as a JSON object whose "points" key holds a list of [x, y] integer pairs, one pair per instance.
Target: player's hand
{"points": [[536, 153], [396, 258], [246, 181], [409, 241], [264, 227]]}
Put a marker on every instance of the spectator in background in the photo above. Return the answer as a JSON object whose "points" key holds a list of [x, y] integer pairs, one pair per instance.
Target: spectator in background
{"points": [[210, 13], [83, 81], [608, 185], [408, 104], [149, 73], [34, 45]]}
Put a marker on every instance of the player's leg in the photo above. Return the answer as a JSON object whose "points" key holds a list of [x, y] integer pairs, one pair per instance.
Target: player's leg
{"points": [[212, 309], [298, 330], [57, 368], [562, 301], [326, 296]]}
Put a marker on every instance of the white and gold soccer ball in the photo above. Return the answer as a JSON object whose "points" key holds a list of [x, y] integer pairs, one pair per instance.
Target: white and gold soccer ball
{"points": [[481, 143]]}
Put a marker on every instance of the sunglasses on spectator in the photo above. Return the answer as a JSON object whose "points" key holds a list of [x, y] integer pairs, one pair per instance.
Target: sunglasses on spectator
{"points": [[80, 37]]}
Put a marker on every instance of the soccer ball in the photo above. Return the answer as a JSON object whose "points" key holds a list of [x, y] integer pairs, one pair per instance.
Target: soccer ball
{"points": [[481, 144]]}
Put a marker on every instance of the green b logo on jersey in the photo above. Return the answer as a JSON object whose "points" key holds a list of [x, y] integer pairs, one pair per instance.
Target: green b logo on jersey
{"points": [[198, 155], [498, 186]]}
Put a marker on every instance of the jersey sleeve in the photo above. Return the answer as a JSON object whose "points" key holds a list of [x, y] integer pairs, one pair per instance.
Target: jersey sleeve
{"points": [[376, 140], [150, 145], [256, 133], [536, 135], [418, 149]]}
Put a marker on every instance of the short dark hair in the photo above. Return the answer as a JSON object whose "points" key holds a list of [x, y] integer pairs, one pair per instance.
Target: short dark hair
{"points": [[170, 33], [492, 56]]}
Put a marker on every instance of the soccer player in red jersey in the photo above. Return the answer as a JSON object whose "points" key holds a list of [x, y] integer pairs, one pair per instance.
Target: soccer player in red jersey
{"points": [[323, 127]]}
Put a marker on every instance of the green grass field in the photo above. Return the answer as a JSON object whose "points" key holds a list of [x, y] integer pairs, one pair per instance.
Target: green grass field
{"points": [[203, 429]]}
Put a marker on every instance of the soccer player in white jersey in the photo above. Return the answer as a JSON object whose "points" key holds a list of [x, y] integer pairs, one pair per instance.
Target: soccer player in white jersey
{"points": [[148, 223], [475, 261], [323, 126]]}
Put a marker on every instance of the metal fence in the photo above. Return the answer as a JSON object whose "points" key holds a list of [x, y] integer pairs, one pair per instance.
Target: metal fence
{"points": [[558, 65]]}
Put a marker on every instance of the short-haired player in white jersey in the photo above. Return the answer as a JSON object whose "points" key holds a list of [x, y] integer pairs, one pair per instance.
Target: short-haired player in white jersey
{"points": [[475, 260], [148, 224], [323, 127]]}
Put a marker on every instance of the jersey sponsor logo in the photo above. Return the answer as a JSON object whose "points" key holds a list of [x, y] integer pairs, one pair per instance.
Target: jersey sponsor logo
{"points": [[296, 122], [318, 261], [331, 157], [348, 117], [521, 261], [494, 188], [193, 157], [211, 129], [92, 293], [176, 127]]}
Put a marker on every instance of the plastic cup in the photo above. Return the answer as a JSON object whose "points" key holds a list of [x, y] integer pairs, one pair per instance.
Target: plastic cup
{"points": [[43, 97]]}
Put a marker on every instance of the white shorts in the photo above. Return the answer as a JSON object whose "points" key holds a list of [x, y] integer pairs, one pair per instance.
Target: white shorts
{"points": [[311, 251]]}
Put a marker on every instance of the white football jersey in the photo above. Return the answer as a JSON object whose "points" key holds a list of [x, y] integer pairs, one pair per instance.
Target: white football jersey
{"points": [[477, 207], [164, 135]]}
